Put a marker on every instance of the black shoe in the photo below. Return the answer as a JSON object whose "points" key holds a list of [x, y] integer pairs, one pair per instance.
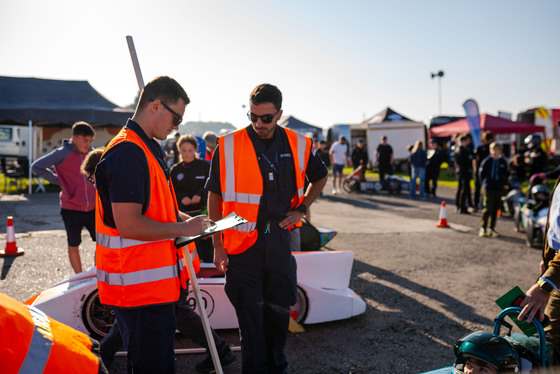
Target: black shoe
{"points": [[464, 211], [207, 365]]}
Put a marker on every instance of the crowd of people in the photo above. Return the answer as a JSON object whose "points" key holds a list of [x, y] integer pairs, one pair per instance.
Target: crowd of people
{"points": [[142, 201]]}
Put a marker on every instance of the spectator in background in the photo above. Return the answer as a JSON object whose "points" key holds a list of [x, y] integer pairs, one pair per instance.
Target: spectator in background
{"points": [[175, 148], [493, 177], [77, 198], [188, 178], [339, 156], [90, 162], [535, 157], [480, 153], [418, 160], [211, 139], [360, 155], [323, 152], [436, 158], [409, 167], [463, 169], [384, 158]]}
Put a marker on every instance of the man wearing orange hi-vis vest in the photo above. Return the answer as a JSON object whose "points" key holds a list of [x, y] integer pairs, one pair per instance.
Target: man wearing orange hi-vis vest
{"points": [[136, 221], [259, 173], [33, 343]]}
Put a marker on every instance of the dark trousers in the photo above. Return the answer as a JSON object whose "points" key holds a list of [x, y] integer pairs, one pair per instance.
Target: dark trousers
{"points": [[188, 322], [384, 169], [149, 337], [463, 197], [477, 188], [262, 298], [491, 201], [432, 176]]}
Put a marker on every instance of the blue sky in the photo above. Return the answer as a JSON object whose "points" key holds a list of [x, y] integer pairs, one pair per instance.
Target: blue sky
{"points": [[335, 61]]}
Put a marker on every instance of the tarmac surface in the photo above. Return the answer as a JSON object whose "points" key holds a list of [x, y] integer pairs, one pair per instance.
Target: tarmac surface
{"points": [[425, 287]]}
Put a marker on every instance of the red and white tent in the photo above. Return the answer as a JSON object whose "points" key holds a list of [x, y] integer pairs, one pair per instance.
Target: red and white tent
{"points": [[497, 125]]}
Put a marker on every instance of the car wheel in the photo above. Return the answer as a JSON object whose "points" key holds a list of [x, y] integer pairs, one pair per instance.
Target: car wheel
{"points": [[98, 318], [349, 185], [298, 311]]}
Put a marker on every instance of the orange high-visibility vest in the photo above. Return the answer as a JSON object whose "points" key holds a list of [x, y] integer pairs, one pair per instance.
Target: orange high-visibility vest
{"points": [[133, 272], [31, 342], [242, 184]]}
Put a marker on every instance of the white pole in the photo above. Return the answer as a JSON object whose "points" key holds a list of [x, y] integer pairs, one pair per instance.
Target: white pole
{"points": [[202, 311], [440, 95], [135, 62], [30, 156]]}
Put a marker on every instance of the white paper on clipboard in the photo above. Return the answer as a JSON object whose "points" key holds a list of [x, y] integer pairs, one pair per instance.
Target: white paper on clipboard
{"points": [[225, 223]]}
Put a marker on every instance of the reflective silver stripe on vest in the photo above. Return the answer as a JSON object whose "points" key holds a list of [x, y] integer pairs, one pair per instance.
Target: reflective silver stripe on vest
{"points": [[137, 277], [41, 342], [301, 145], [246, 227], [230, 165], [117, 242], [248, 198], [194, 254]]}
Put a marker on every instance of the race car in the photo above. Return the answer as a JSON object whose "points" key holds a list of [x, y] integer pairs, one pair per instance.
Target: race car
{"points": [[356, 182], [323, 295]]}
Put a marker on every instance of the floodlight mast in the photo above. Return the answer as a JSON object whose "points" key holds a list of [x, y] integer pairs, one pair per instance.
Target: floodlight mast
{"points": [[440, 75]]}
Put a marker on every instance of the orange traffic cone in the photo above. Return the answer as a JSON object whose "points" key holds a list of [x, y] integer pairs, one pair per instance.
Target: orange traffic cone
{"points": [[442, 217], [11, 249]]}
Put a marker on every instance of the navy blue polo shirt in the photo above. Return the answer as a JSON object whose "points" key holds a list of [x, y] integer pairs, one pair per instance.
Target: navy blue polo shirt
{"points": [[122, 175]]}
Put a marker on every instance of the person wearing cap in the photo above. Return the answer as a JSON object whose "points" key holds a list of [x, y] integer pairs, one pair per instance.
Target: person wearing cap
{"points": [[360, 154], [259, 172], [338, 154]]}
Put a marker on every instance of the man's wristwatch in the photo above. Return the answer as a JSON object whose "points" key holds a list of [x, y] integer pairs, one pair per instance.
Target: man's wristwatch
{"points": [[301, 208], [545, 286]]}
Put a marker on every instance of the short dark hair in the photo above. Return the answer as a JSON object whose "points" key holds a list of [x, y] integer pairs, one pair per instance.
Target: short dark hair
{"points": [[91, 161], [211, 138], [266, 93], [82, 128], [166, 89], [488, 136]]}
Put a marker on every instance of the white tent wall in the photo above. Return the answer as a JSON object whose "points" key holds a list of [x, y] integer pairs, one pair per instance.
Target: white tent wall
{"points": [[399, 134]]}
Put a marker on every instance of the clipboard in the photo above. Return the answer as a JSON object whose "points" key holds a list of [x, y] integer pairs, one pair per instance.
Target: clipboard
{"points": [[225, 223]]}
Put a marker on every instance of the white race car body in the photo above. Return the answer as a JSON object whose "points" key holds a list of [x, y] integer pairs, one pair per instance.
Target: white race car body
{"points": [[323, 295]]}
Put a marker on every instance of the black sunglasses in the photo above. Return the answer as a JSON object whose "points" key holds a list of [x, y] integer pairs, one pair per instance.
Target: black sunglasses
{"points": [[266, 118], [90, 178], [178, 117]]}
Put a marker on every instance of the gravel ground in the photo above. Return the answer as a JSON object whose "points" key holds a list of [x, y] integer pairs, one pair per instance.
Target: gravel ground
{"points": [[425, 287]]}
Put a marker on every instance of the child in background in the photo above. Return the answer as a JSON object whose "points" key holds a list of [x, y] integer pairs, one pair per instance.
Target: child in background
{"points": [[493, 178]]}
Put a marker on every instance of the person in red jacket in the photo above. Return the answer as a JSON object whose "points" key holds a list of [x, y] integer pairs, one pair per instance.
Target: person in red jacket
{"points": [[77, 198]]}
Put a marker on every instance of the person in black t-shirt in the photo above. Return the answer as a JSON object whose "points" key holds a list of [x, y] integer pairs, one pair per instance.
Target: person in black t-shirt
{"points": [[384, 158]]}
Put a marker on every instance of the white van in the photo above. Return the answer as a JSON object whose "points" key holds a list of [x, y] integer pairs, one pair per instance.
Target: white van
{"points": [[14, 141]]}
